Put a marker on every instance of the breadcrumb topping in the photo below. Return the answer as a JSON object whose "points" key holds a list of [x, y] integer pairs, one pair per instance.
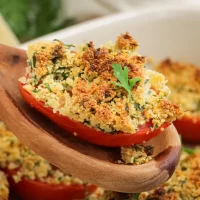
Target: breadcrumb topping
{"points": [[184, 82], [79, 84], [137, 154]]}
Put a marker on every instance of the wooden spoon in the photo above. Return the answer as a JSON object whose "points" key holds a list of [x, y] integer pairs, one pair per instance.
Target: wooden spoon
{"points": [[89, 162]]}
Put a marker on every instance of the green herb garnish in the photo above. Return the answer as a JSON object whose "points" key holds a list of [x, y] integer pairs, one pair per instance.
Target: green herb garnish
{"points": [[60, 68], [198, 106], [34, 80], [56, 40], [146, 81], [155, 126], [136, 196], [36, 91], [37, 163], [122, 77], [66, 45], [65, 75], [138, 107], [34, 61], [69, 45], [188, 150], [30, 63], [48, 87]]}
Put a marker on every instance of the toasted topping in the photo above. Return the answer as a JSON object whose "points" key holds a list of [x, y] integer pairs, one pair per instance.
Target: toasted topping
{"points": [[125, 41], [184, 82], [137, 154], [107, 88]]}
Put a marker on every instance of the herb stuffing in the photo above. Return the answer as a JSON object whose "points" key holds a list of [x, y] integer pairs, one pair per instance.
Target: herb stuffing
{"points": [[137, 154]]}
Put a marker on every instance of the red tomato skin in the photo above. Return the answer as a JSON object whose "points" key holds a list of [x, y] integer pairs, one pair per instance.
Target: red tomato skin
{"points": [[91, 134], [36, 190], [189, 128]]}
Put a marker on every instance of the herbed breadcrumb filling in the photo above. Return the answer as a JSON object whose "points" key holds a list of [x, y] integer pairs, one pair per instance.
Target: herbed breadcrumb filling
{"points": [[82, 85], [187, 92], [137, 154]]}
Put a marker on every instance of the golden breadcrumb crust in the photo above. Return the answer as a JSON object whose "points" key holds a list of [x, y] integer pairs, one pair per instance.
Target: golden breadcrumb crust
{"points": [[80, 85]]}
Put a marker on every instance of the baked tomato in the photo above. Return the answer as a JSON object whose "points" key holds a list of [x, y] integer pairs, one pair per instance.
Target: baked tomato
{"points": [[36, 190], [189, 128], [90, 134]]}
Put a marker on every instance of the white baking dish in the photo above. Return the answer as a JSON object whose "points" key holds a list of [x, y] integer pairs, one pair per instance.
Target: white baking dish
{"points": [[172, 31]]}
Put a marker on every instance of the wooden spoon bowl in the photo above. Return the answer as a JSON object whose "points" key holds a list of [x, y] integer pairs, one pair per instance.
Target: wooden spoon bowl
{"points": [[89, 162]]}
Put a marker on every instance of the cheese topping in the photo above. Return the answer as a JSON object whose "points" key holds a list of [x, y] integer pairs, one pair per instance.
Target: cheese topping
{"points": [[80, 85], [184, 82]]}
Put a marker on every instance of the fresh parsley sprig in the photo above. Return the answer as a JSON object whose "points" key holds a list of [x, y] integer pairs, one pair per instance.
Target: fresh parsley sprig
{"points": [[122, 77], [185, 149], [188, 150]]}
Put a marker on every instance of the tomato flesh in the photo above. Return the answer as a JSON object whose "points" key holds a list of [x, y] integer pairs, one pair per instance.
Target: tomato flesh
{"points": [[90, 134], [36, 190], [189, 128]]}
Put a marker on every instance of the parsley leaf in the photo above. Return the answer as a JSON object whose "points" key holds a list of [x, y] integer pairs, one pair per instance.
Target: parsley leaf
{"points": [[122, 76], [188, 150], [36, 91], [66, 45], [146, 81], [136, 196], [48, 87], [34, 61], [69, 45], [138, 107]]}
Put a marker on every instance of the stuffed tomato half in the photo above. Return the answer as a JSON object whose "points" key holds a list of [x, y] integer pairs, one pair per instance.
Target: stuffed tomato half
{"points": [[102, 95], [184, 82]]}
